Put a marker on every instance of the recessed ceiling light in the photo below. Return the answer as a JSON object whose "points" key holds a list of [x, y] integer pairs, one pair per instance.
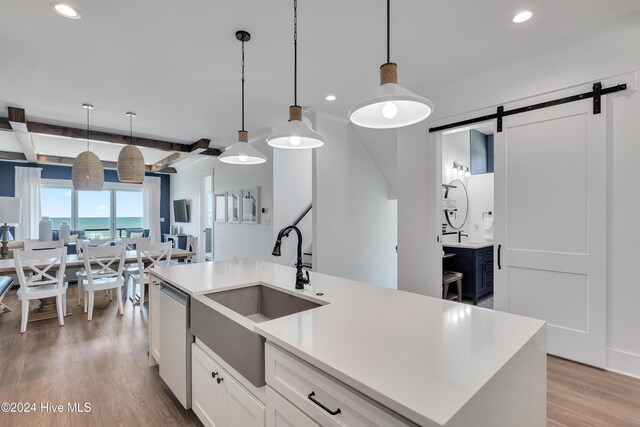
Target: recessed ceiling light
{"points": [[66, 11], [330, 98], [523, 16]]}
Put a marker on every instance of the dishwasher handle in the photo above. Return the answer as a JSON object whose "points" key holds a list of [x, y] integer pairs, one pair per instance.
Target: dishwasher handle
{"points": [[174, 293]]}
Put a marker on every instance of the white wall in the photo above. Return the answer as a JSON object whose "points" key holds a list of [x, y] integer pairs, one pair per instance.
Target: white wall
{"points": [[355, 223], [230, 240], [292, 193], [624, 204], [456, 148]]}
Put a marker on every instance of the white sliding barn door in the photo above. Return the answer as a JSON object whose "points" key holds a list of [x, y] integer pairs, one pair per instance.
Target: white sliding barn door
{"points": [[550, 222]]}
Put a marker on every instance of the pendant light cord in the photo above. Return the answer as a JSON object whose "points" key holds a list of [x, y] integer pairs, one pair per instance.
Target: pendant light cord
{"points": [[295, 52], [243, 86], [88, 129], [388, 31], [130, 129]]}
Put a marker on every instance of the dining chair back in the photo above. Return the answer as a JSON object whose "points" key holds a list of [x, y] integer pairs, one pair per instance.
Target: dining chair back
{"points": [[131, 242], [191, 247], [150, 255], [81, 245], [35, 245], [41, 275], [104, 266]]}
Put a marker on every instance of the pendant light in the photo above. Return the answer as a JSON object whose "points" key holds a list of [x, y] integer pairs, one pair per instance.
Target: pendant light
{"points": [[87, 173], [242, 153], [130, 160], [295, 134], [391, 105]]}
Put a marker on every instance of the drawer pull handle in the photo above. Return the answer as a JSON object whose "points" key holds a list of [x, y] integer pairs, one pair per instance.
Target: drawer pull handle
{"points": [[214, 374], [313, 393], [219, 379]]}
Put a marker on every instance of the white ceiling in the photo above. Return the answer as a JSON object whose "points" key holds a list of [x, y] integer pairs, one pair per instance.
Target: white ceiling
{"points": [[176, 63]]}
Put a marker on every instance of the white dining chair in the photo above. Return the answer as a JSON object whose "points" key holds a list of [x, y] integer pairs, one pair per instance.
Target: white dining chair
{"points": [[36, 245], [131, 243], [104, 266], [153, 255], [38, 282], [81, 275]]}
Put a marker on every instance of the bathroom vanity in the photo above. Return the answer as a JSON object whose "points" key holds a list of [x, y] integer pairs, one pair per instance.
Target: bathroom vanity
{"points": [[475, 261], [340, 352]]}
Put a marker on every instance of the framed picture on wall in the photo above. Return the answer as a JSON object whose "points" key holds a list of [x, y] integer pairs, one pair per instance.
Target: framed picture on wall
{"points": [[233, 206], [250, 205], [221, 207]]}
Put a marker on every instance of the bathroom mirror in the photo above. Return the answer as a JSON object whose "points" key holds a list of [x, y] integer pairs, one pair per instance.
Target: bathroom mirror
{"points": [[457, 208]]}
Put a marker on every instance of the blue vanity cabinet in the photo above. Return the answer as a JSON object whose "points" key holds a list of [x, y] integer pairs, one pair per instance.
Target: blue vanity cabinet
{"points": [[476, 266]]}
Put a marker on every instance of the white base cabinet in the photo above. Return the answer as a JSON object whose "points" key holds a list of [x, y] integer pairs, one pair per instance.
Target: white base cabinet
{"points": [[281, 413], [320, 398], [218, 399]]}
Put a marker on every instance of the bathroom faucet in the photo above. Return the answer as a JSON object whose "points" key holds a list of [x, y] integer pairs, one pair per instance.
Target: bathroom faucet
{"points": [[460, 234], [300, 279]]}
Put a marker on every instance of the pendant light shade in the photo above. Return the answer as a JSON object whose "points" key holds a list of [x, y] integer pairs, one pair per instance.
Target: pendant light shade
{"points": [[242, 153], [87, 173], [130, 160], [391, 105], [295, 134]]}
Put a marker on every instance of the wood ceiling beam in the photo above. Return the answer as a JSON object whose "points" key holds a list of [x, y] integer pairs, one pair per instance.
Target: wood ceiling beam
{"points": [[18, 121], [45, 158], [4, 124], [18, 116], [14, 157]]}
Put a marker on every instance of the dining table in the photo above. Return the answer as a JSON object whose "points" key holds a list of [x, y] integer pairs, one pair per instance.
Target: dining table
{"points": [[47, 307]]}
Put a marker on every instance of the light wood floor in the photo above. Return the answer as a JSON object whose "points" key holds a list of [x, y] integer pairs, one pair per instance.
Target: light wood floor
{"points": [[104, 362]]}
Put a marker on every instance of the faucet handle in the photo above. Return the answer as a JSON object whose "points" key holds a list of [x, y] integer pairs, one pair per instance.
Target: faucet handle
{"points": [[308, 278]]}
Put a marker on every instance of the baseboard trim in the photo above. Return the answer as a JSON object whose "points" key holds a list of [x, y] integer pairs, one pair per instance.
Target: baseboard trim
{"points": [[623, 363]]}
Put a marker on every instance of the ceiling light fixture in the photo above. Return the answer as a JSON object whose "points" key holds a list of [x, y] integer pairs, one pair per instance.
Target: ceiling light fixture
{"points": [[130, 160], [87, 173], [391, 105], [295, 134], [66, 11], [523, 16], [330, 98], [242, 153]]}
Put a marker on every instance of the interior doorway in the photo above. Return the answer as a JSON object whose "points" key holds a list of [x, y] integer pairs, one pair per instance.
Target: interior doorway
{"points": [[467, 214], [206, 218]]}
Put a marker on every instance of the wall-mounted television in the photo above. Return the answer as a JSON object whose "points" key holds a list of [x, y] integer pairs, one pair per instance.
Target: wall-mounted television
{"points": [[180, 210]]}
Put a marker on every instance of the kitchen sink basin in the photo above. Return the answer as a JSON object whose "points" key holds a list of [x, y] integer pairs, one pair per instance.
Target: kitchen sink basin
{"points": [[231, 335]]}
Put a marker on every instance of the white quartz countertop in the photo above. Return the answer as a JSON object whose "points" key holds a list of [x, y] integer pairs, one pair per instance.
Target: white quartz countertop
{"points": [[422, 357]]}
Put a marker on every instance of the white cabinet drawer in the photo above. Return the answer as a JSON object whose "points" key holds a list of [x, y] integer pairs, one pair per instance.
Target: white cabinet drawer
{"points": [[335, 403], [281, 413]]}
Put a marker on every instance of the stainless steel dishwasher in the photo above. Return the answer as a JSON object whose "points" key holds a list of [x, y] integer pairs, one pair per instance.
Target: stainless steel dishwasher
{"points": [[175, 342]]}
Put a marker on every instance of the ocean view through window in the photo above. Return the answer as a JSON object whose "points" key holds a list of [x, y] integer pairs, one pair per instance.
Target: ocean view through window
{"points": [[101, 214]]}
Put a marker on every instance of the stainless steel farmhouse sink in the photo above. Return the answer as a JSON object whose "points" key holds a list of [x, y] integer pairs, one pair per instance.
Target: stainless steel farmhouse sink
{"points": [[231, 334]]}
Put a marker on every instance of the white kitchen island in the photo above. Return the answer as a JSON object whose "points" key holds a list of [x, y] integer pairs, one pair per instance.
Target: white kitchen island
{"points": [[396, 357]]}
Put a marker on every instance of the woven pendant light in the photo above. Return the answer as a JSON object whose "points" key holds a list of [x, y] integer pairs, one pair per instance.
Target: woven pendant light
{"points": [[87, 173], [242, 153], [130, 160]]}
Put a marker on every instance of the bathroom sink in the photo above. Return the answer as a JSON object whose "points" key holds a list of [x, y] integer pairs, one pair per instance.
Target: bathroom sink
{"points": [[472, 244], [224, 322]]}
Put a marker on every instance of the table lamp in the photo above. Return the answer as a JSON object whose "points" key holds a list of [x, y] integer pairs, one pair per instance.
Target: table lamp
{"points": [[10, 208]]}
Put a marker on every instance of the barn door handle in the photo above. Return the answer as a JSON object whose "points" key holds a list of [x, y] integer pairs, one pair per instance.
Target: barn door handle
{"points": [[499, 253]]}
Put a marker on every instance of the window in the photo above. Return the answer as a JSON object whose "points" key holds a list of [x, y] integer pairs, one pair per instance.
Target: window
{"points": [[128, 209], [107, 213], [56, 203], [94, 213]]}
